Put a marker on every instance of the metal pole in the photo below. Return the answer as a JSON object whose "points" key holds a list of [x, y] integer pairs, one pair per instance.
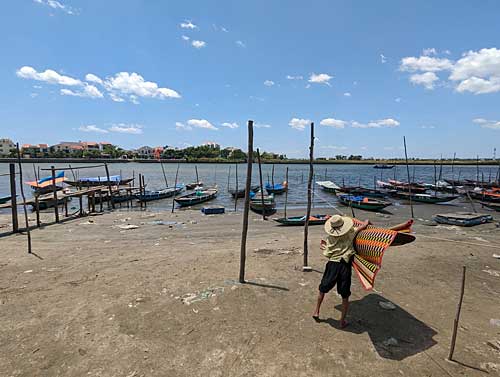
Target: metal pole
{"points": [[13, 200], [246, 209], [309, 200], [457, 317]]}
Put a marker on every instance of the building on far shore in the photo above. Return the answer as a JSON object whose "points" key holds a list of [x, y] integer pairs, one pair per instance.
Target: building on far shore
{"points": [[6, 145], [145, 152], [35, 150]]}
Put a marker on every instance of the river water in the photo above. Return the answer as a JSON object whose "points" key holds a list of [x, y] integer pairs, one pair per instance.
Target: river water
{"points": [[217, 174]]}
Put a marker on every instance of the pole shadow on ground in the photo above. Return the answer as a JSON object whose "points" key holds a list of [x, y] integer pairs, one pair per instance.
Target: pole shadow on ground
{"points": [[384, 326]]}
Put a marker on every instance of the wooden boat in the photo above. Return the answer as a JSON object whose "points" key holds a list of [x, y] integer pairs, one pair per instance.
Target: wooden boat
{"points": [[46, 185], [462, 218], [196, 197], [363, 191], [494, 206], [193, 185], [168, 192], [383, 166], [328, 186], [301, 220], [5, 199], [269, 206], [363, 202], [492, 196], [277, 188], [424, 198], [114, 180], [404, 186], [47, 201], [442, 186], [241, 192], [122, 198]]}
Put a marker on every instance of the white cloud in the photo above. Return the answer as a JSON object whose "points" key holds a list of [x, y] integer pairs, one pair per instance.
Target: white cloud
{"points": [[478, 72], [426, 79], [260, 125], [289, 77], [230, 125], [335, 123], [115, 98], [89, 91], [241, 44], [334, 147], [185, 37], [134, 129], [347, 94], [382, 123], [383, 59], [427, 127], [201, 123], [90, 77], [425, 64], [484, 123], [57, 5], [429, 51], [134, 84], [188, 25], [268, 83], [92, 128], [322, 78], [198, 44], [299, 124], [49, 76], [133, 99], [181, 126], [224, 29], [398, 99]]}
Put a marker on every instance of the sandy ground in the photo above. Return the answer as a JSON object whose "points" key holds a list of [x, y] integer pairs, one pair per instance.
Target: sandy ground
{"points": [[163, 300]]}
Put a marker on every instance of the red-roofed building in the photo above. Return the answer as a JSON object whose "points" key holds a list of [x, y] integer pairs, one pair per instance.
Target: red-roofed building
{"points": [[35, 150]]}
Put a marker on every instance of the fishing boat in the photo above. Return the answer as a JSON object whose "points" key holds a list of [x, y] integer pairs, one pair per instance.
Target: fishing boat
{"points": [[115, 180], [424, 198], [263, 204], [47, 201], [277, 188], [492, 196], [241, 192], [301, 220], [5, 199], [494, 206], [363, 202], [362, 191], [328, 186], [442, 186], [383, 166], [193, 185], [462, 218], [46, 185], [196, 197], [402, 186], [152, 195]]}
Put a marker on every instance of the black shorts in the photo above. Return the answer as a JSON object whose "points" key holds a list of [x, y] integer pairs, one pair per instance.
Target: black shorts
{"points": [[338, 273]]}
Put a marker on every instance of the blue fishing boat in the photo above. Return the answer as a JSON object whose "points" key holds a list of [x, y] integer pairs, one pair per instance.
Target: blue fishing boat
{"points": [[277, 188], [168, 192]]}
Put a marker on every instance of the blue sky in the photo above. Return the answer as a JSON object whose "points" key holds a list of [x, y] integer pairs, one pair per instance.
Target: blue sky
{"points": [[181, 73]]}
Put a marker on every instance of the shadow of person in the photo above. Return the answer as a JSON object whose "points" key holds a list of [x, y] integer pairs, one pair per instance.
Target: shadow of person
{"points": [[395, 334]]}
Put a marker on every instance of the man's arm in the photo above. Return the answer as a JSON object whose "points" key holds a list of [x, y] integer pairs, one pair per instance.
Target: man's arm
{"points": [[363, 226]]}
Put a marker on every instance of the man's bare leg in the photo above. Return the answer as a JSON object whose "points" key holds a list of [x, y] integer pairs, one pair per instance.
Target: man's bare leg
{"points": [[321, 296], [345, 307]]}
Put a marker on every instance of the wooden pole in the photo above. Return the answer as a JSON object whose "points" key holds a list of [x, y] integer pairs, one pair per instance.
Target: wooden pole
{"points": [[13, 200], [435, 179], [236, 186], [457, 317], [453, 165], [28, 233], [272, 176], [409, 183], [229, 178], [246, 207], [441, 168], [286, 192], [37, 210], [261, 186], [306, 267], [144, 188], [175, 185], [164, 175], [109, 186], [196, 171], [140, 189], [54, 193]]}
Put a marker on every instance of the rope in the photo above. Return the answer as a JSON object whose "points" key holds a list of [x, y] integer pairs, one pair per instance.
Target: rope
{"points": [[329, 205]]}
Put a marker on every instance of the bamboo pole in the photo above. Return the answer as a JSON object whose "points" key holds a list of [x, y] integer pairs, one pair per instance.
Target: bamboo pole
{"points": [[164, 175], [54, 193], [229, 178], [272, 176], [28, 233], [236, 186], [457, 317], [306, 267], [286, 192], [477, 169], [409, 183], [175, 185], [109, 187], [197, 178], [453, 165], [13, 199], [261, 186], [246, 209]]}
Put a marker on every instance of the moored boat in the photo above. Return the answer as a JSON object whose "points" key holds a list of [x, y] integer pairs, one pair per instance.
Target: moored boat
{"points": [[115, 180], [277, 188], [462, 218], [328, 186], [261, 203], [424, 198], [383, 166], [301, 220], [193, 185], [241, 192], [494, 206], [363, 202], [5, 199], [168, 192], [196, 197]]}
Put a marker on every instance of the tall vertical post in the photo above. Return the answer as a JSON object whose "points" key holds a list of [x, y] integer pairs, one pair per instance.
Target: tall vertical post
{"points": [[109, 186], [409, 183], [261, 186], [286, 192], [164, 175], [24, 198], [13, 200], [175, 185], [272, 176], [477, 169], [229, 178], [306, 267], [457, 317], [236, 187], [54, 193], [326, 173], [246, 207], [196, 171], [453, 165]]}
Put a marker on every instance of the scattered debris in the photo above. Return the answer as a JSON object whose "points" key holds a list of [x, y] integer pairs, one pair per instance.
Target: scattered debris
{"points": [[387, 305], [161, 222], [195, 311], [128, 226], [490, 366], [190, 298], [278, 251], [391, 342], [27, 271], [492, 272], [496, 256], [495, 322], [88, 222]]}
